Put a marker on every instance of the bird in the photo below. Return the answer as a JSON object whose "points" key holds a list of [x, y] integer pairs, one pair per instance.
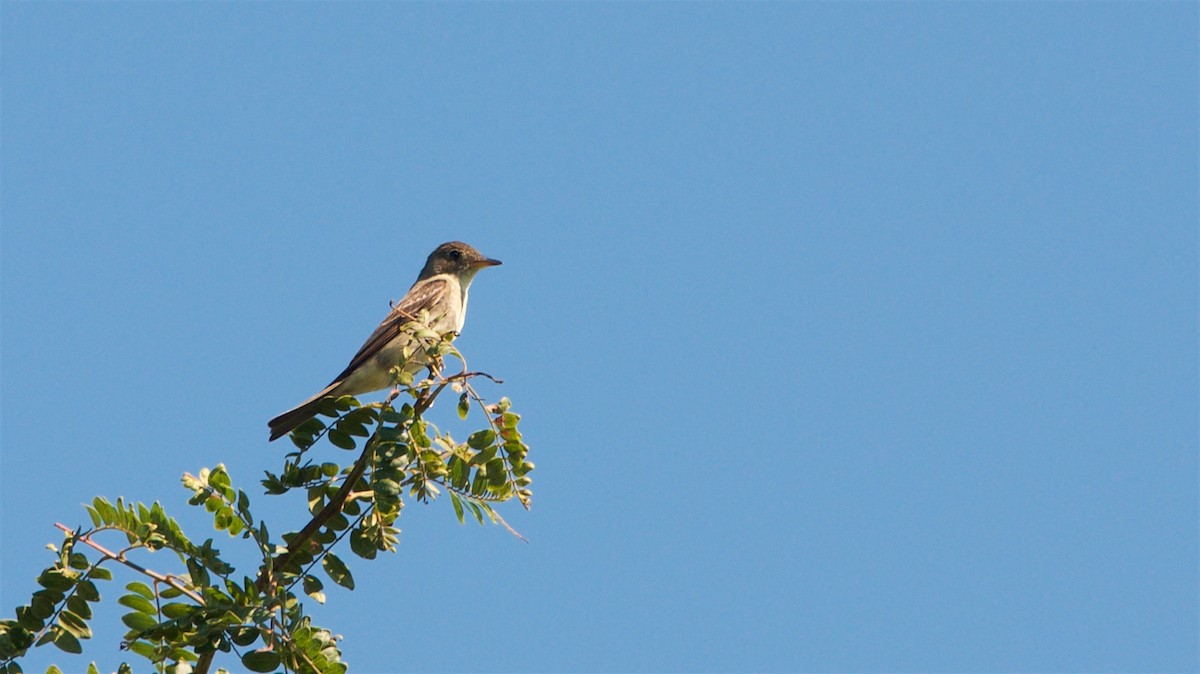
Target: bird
{"points": [[440, 290]]}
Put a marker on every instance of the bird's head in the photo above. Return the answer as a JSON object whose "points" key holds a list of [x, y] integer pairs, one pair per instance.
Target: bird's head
{"points": [[458, 259]]}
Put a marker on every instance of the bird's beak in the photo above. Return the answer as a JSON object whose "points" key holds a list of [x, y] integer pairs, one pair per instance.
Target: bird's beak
{"points": [[488, 262]]}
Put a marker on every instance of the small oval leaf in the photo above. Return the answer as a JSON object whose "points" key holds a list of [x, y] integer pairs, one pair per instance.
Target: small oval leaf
{"points": [[261, 661]]}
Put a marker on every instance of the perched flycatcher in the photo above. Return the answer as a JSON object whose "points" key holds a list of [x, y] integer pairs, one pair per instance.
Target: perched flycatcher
{"points": [[440, 290]]}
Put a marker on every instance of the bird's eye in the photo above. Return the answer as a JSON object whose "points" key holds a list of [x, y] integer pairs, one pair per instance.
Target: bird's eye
{"points": [[455, 254]]}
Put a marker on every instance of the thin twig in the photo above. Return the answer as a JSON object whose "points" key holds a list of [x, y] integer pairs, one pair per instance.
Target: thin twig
{"points": [[470, 375], [120, 558]]}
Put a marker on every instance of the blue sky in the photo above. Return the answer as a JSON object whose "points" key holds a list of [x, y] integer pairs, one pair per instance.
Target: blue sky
{"points": [[848, 337]]}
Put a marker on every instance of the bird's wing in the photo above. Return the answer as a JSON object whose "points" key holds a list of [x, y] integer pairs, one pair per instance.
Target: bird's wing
{"points": [[422, 296]]}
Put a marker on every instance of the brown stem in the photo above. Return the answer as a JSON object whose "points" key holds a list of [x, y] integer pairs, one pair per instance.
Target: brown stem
{"points": [[204, 662]]}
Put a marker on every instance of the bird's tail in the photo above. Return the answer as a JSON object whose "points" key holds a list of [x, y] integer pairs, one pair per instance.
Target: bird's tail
{"points": [[289, 420]]}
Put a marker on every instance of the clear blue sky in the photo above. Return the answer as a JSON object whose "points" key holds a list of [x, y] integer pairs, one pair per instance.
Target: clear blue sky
{"points": [[848, 337]]}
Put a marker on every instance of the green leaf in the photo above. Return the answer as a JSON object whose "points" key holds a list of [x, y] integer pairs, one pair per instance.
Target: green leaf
{"points": [[105, 509], [244, 636], [362, 545], [29, 621], [339, 439], [87, 590], [46, 637], [386, 488], [475, 509], [261, 661], [52, 579], [139, 622], [235, 526], [337, 571], [352, 424], [464, 406], [327, 407], [101, 573], [316, 499], [198, 573], [177, 610], [483, 456], [53, 669], [389, 415], [92, 668], [458, 509], [481, 439], [41, 606], [313, 587], [138, 604], [218, 478], [13, 640], [478, 484], [302, 442], [495, 472], [310, 428], [66, 642], [419, 435], [273, 484], [76, 605], [458, 470], [74, 624], [143, 648], [140, 588]]}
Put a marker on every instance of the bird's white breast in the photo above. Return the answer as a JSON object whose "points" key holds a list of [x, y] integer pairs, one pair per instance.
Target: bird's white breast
{"points": [[456, 315], [462, 312]]}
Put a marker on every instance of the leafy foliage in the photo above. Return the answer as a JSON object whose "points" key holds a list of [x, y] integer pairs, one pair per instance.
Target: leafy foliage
{"points": [[178, 620]]}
